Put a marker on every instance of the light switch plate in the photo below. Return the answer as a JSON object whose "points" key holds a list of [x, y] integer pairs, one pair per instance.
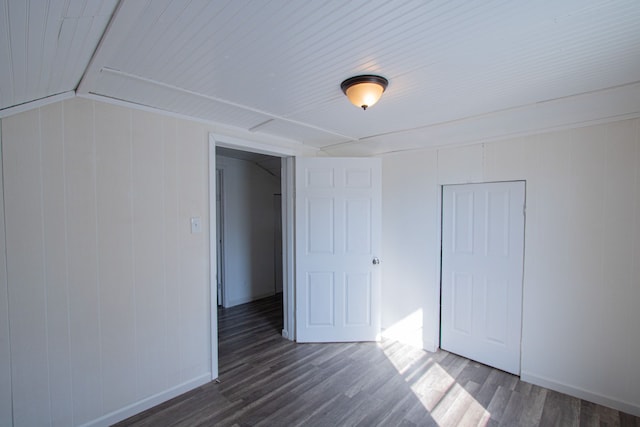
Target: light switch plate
{"points": [[196, 225]]}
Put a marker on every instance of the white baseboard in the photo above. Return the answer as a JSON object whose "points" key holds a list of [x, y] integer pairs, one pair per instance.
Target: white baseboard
{"points": [[430, 346], [630, 408], [149, 402]]}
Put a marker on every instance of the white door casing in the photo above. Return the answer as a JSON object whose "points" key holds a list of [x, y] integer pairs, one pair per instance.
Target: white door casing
{"points": [[288, 240], [219, 237], [482, 272], [338, 208]]}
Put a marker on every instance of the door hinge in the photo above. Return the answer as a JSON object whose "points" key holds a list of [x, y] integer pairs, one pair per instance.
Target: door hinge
{"points": [[524, 210]]}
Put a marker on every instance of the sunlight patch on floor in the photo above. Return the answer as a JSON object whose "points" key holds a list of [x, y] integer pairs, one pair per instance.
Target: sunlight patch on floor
{"points": [[448, 402]]}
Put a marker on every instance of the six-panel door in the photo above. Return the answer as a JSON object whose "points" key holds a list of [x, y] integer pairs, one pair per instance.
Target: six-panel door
{"points": [[337, 239], [482, 267]]}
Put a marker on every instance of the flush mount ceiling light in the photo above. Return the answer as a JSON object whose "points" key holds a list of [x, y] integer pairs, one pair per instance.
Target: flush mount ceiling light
{"points": [[364, 91]]}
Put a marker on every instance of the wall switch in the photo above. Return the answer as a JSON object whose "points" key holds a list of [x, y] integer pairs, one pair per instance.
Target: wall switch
{"points": [[196, 225]]}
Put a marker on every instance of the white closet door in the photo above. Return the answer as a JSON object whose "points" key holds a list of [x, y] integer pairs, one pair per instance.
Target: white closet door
{"points": [[482, 270]]}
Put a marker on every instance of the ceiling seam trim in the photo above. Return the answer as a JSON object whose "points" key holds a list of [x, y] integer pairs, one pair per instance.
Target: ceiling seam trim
{"points": [[37, 103], [224, 129], [495, 138], [488, 114], [91, 72], [223, 101]]}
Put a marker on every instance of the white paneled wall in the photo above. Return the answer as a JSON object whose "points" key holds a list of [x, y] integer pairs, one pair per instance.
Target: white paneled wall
{"points": [[5, 353], [409, 220], [108, 291], [582, 246]]}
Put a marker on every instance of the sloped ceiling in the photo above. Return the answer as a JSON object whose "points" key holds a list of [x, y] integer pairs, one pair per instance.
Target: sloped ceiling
{"points": [[45, 46], [459, 71]]}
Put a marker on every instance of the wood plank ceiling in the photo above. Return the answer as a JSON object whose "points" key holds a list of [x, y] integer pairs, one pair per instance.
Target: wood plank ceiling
{"points": [[459, 71], [45, 46]]}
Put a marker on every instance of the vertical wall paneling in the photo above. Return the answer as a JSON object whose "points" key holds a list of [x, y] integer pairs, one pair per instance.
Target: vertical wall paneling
{"points": [[117, 288], [578, 258], [107, 288], [148, 244], [194, 256], [172, 253], [620, 291], [460, 165], [26, 269], [56, 263], [582, 240], [409, 313], [82, 247], [504, 160], [635, 290], [6, 412]]}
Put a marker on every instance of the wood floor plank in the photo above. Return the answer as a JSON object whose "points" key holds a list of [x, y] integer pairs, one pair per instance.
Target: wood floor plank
{"points": [[498, 403], [533, 407], [267, 380], [627, 420], [560, 410]]}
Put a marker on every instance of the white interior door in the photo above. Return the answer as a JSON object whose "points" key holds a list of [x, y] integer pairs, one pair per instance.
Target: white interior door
{"points": [[337, 242], [482, 267]]}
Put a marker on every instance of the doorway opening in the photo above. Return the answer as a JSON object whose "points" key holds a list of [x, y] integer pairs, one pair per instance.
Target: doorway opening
{"points": [[283, 161], [249, 250], [248, 224]]}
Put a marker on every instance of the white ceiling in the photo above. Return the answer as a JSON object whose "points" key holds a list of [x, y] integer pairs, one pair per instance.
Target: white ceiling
{"points": [[45, 46], [459, 71]]}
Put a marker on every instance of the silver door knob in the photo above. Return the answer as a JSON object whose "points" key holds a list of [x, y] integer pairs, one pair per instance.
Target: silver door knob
{"points": [[376, 261]]}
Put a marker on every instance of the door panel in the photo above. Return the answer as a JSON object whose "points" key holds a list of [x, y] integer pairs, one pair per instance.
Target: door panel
{"points": [[462, 302], [338, 236], [320, 225], [358, 299], [496, 294], [320, 299], [358, 226], [482, 266]]}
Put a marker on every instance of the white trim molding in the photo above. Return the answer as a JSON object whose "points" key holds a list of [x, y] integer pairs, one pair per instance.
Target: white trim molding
{"points": [[10, 111], [288, 249], [580, 393], [149, 402], [213, 287], [288, 228]]}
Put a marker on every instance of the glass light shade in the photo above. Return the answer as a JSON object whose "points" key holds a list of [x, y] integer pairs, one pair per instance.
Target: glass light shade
{"points": [[364, 91], [364, 95]]}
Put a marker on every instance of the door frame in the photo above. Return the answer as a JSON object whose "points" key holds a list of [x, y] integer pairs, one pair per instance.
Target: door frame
{"points": [[287, 180], [219, 224]]}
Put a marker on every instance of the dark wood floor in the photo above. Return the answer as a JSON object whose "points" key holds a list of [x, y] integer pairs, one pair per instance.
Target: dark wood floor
{"points": [[269, 381]]}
